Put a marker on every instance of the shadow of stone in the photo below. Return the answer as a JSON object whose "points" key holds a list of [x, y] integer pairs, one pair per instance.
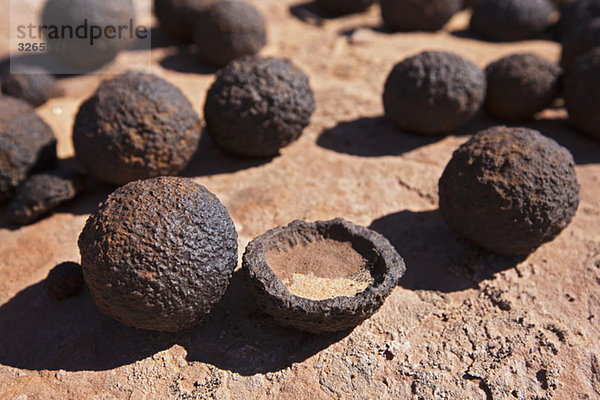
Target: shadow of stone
{"points": [[185, 61], [436, 257]]}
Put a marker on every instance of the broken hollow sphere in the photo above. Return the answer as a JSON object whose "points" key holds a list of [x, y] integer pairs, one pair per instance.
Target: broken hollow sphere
{"points": [[433, 93], [135, 126], [158, 254], [509, 190], [257, 106], [324, 276]]}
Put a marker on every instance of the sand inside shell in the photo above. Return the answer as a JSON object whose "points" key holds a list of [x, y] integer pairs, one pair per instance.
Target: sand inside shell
{"points": [[321, 269]]}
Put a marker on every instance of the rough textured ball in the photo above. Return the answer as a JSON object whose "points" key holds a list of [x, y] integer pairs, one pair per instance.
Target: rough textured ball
{"points": [[136, 127], [78, 52], [509, 190], [418, 15], [512, 20], [64, 281], [158, 254], [520, 85], [579, 41], [582, 94], [433, 93], [42, 193], [32, 84], [258, 105], [341, 7], [27, 144], [576, 14], [178, 17], [229, 29]]}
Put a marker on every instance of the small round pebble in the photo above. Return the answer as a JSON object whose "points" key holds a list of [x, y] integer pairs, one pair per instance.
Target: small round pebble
{"points": [[582, 94], [520, 85], [158, 254], [512, 20], [229, 29], [64, 281], [256, 106], [42, 193], [341, 7], [32, 84], [579, 41], [509, 190], [136, 126], [178, 17], [418, 15], [433, 93]]}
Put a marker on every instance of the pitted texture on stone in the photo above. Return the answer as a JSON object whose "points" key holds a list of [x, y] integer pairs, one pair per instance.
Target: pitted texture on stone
{"points": [[27, 144], [335, 314], [579, 41], [509, 190], [582, 94], [341, 7], [64, 281], [42, 193], [136, 127], [418, 15], [258, 105], [159, 254], [512, 20], [178, 17], [229, 29], [433, 93], [520, 85], [32, 84]]}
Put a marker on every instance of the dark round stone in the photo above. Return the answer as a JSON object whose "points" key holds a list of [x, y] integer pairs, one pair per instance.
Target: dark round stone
{"points": [[27, 144], [579, 41], [158, 254], [433, 93], [258, 105], [229, 29], [509, 190], [381, 261], [341, 7], [576, 14], [32, 84], [512, 20], [42, 193], [136, 127], [418, 15], [178, 17], [64, 281], [78, 52], [582, 94], [520, 85]]}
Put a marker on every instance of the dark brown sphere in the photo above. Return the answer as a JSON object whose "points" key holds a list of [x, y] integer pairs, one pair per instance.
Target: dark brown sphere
{"points": [[341, 7], [512, 20], [520, 85], [433, 93], [509, 190], [229, 29], [582, 94], [178, 17], [257, 106], [32, 84], [158, 254], [418, 15], [136, 127], [64, 281], [576, 14], [579, 41]]}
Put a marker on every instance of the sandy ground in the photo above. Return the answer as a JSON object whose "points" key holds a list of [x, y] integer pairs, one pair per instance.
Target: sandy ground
{"points": [[461, 324]]}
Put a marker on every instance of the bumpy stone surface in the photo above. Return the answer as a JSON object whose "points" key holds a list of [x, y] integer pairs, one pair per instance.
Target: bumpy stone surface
{"points": [[511, 20], [32, 84], [582, 94], [178, 17], [258, 105], [64, 281], [136, 127], [418, 15], [158, 254], [41, 193], [341, 7], [229, 29], [579, 41], [576, 14], [328, 315], [509, 190], [78, 52], [433, 93], [520, 85], [27, 144]]}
